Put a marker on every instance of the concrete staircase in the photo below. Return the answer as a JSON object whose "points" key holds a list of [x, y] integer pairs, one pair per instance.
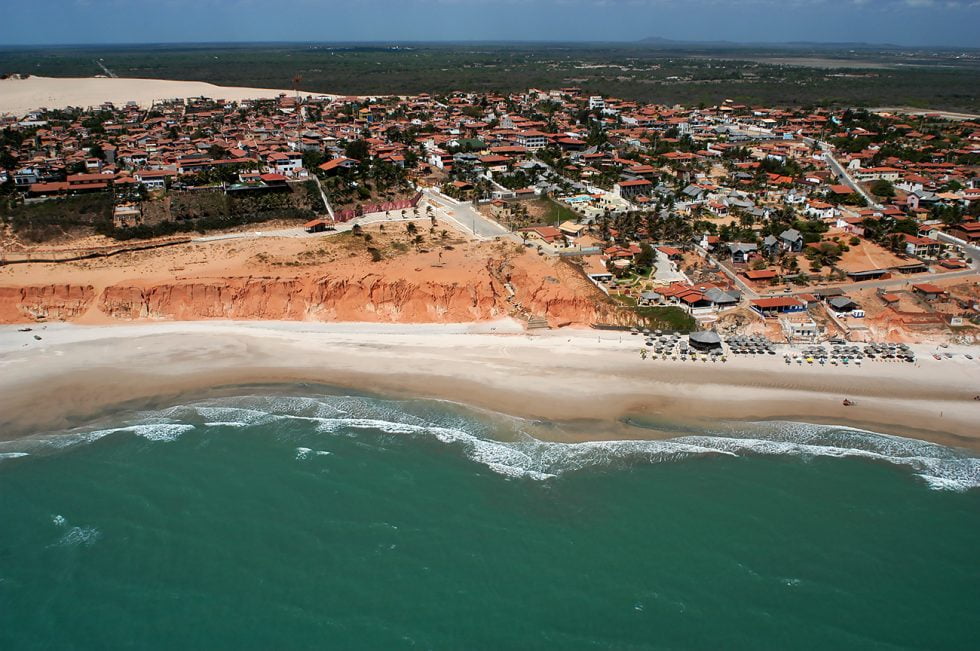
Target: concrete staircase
{"points": [[537, 322]]}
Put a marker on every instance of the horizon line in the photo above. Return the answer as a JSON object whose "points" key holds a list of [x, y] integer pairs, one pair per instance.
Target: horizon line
{"points": [[647, 42]]}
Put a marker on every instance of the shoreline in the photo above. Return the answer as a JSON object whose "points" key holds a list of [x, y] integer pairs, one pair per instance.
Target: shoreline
{"points": [[75, 373]]}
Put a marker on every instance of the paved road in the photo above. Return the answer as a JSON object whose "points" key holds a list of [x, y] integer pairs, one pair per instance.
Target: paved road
{"points": [[742, 285], [251, 235], [844, 176], [340, 227], [841, 171], [971, 251], [464, 215], [667, 270], [891, 283], [323, 195]]}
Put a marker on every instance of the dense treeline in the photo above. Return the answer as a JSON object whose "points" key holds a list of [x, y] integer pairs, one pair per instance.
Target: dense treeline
{"points": [[197, 211], [46, 220], [689, 76], [162, 229]]}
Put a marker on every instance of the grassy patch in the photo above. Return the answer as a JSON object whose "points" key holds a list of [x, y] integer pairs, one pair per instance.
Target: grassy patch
{"points": [[669, 317], [46, 220], [557, 213]]}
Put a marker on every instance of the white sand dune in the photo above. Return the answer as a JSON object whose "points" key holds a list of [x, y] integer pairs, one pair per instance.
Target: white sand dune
{"points": [[20, 96]]}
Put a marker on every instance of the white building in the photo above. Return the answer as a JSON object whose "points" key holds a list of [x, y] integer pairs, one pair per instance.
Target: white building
{"points": [[532, 139], [153, 179], [287, 163]]}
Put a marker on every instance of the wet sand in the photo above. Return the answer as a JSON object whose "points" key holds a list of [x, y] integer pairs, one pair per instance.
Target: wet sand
{"points": [[76, 373]]}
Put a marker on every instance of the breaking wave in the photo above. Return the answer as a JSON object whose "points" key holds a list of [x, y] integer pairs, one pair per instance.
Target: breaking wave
{"points": [[507, 446], [75, 536]]}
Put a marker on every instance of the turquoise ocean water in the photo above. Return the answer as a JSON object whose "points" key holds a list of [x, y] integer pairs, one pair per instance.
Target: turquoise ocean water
{"points": [[300, 519]]}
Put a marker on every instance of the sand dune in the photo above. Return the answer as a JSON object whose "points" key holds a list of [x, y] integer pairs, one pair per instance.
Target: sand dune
{"points": [[20, 96]]}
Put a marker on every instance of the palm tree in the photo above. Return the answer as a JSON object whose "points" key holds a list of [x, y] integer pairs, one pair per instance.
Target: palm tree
{"points": [[895, 241], [411, 229], [643, 353]]}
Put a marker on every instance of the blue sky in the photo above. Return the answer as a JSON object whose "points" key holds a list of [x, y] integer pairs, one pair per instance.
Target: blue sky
{"points": [[905, 22]]}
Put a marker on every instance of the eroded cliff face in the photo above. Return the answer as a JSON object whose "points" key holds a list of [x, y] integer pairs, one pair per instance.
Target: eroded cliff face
{"points": [[373, 298], [369, 296], [231, 298], [41, 302], [562, 296]]}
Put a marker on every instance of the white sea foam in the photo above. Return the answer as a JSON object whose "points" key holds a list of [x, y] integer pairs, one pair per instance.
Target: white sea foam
{"points": [[75, 536], [524, 456], [165, 432], [74, 438], [13, 455], [940, 467], [306, 453]]}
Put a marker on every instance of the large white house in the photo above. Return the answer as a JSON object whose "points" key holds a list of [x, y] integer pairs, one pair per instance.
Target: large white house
{"points": [[532, 139]]}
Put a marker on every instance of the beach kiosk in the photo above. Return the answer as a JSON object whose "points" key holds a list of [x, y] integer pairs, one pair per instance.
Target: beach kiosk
{"points": [[705, 341]]}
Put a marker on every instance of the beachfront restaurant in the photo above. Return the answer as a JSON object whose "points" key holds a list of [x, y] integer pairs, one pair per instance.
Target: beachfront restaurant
{"points": [[707, 340], [777, 305]]}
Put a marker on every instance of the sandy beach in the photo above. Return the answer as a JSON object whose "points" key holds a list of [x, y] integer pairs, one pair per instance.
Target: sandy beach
{"points": [[20, 96], [76, 372]]}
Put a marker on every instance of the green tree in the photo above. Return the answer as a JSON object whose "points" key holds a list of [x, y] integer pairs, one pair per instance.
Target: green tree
{"points": [[312, 159], [645, 259], [883, 188], [358, 149]]}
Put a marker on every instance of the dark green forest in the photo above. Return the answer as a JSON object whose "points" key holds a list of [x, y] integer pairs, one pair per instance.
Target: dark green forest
{"points": [[688, 75]]}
